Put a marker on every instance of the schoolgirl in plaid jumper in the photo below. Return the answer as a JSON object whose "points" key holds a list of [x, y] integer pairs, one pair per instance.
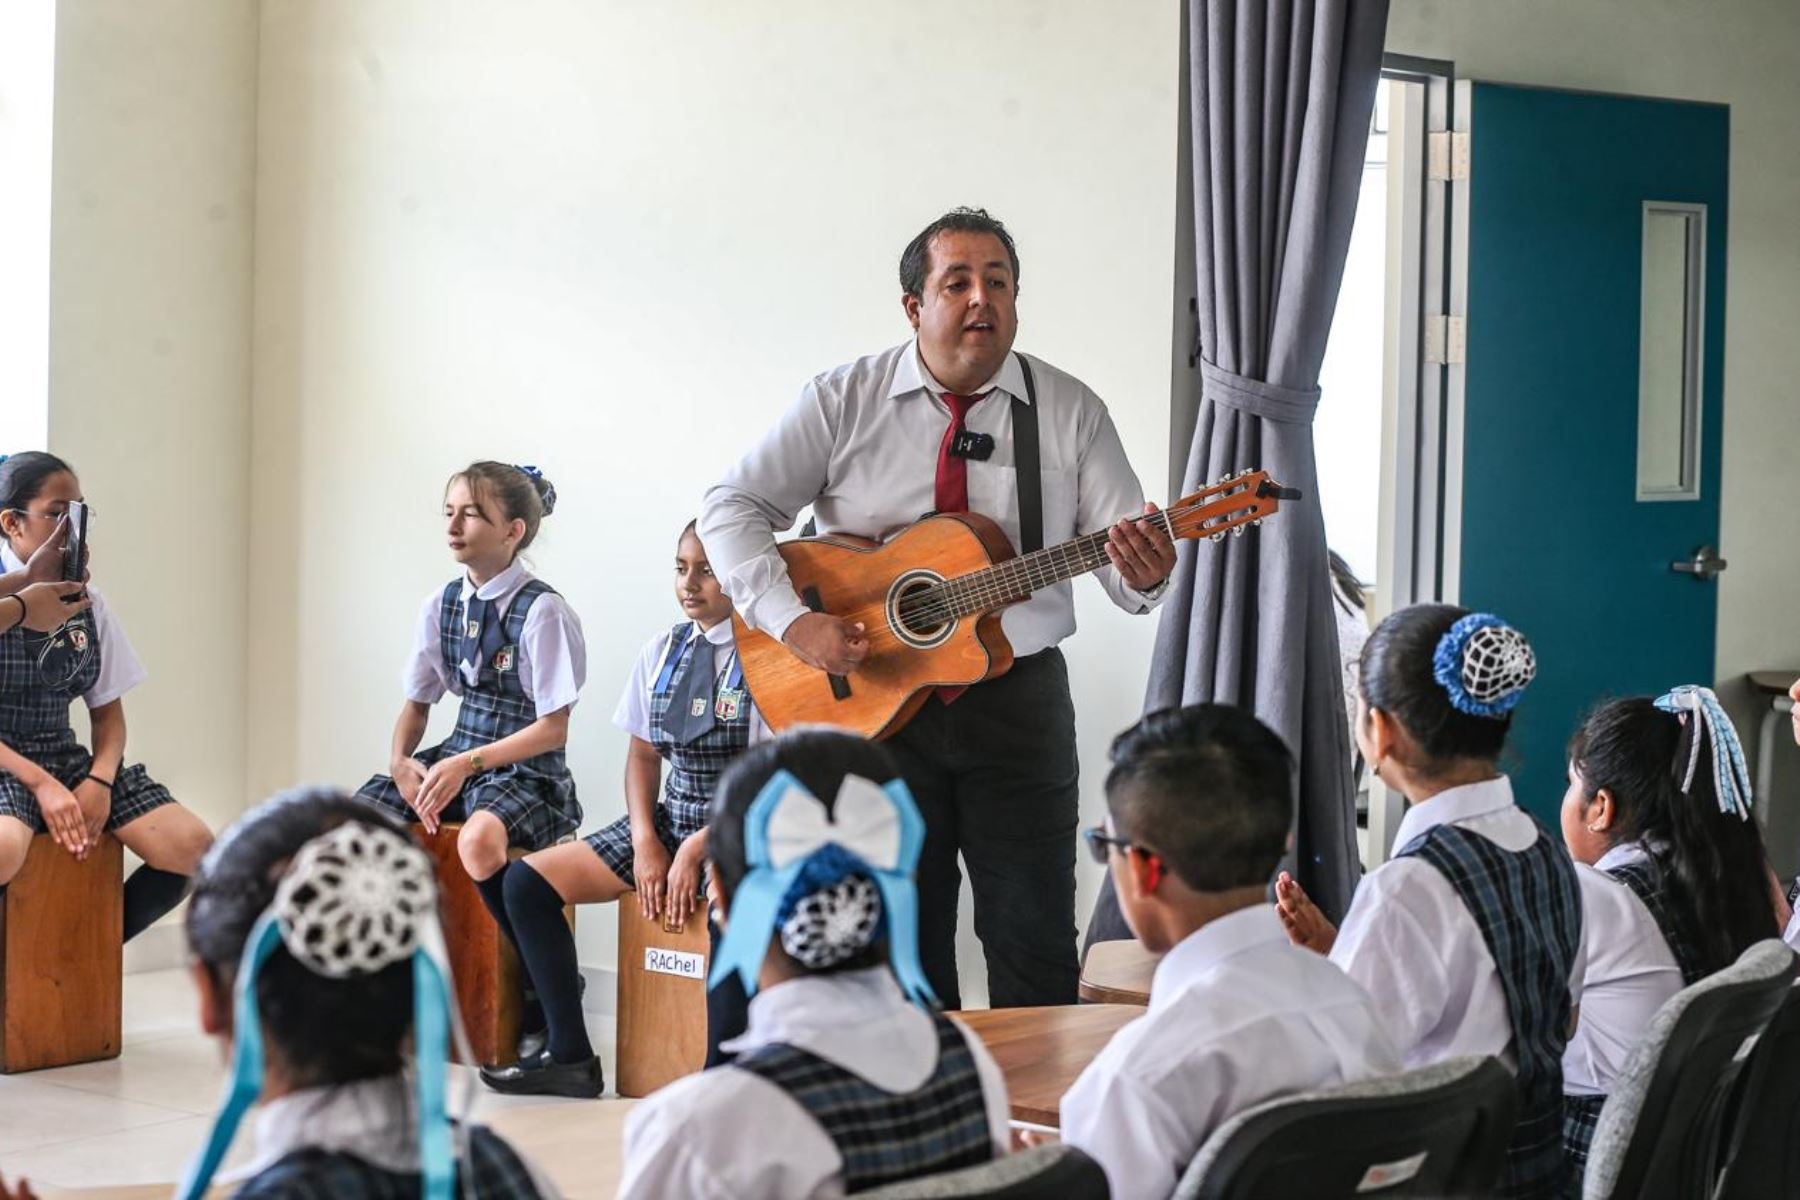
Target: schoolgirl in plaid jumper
{"points": [[49, 782], [338, 1006], [511, 649], [847, 1077], [1673, 871], [685, 704], [1471, 938]]}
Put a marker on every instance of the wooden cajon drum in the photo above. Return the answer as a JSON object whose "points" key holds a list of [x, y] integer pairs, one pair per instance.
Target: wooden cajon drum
{"points": [[62, 933], [662, 999], [490, 983]]}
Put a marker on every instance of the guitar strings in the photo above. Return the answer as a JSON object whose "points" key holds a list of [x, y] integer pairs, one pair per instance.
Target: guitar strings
{"points": [[988, 587]]}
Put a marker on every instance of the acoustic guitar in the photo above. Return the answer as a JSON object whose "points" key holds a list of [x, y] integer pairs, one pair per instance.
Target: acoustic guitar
{"points": [[929, 600]]}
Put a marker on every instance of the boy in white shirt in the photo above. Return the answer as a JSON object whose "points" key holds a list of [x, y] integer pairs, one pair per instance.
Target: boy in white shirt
{"points": [[1199, 812]]}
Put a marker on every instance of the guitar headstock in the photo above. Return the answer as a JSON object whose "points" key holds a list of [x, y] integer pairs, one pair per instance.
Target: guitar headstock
{"points": [[1228, 506]]}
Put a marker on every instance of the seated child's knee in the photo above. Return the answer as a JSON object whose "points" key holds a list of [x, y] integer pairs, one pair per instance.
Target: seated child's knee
{"points": [[482, 847]]}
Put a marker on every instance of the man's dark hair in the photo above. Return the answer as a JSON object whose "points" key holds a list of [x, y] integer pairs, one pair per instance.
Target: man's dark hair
{"points": [[915, 260], [1207, 788]]}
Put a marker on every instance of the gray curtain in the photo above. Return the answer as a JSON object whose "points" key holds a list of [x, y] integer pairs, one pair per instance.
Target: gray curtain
{"points": [[1279, 93]]}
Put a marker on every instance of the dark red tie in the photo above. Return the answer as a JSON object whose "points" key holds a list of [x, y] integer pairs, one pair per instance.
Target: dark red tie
{"points": [[952, 493]]}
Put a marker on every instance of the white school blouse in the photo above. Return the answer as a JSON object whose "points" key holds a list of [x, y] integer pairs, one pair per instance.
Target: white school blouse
{"points": [[1412, 943], [552, 662], [726, 1134], [633, 711], [1238, 1015], [861, 444], [1630, 973], [120, 668]]}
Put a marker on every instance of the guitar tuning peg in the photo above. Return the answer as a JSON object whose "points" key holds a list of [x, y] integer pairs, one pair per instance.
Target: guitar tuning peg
{"points": [[1237, 531], [1218, 537], [1257, 522]]}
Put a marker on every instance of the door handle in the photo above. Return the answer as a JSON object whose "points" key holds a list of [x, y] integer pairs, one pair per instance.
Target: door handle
{"points": [[1704, 566]]}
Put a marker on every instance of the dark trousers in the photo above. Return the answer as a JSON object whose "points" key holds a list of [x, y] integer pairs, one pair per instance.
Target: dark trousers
{"points": [[995, 775]]}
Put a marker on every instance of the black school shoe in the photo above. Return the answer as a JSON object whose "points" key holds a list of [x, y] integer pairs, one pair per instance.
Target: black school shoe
{"points": [[541, 1076]]}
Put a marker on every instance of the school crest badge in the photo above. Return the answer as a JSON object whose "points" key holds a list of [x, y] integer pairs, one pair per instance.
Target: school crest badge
{"points": [[78, 638], [698, 707], [503, 660], [730, 703]]}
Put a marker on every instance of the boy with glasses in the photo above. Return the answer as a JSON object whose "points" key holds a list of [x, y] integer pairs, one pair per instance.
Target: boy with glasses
{"points": [[1199, 808]]}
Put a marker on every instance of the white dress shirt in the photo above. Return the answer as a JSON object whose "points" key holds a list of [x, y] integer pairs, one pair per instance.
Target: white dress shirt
{"points": [[369, 1119], [1630, 973], [120, 669], [861, 446], [552, 654], [633, 712], [1792, 934], [1409, 939], [1238, 1015], [726, 1134]]}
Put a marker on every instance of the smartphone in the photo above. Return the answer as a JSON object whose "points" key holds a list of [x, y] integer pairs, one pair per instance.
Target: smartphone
{"points": [[75, 547]]}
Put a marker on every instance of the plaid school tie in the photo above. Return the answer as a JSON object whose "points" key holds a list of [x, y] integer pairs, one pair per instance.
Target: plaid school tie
{"points": [[690, 712], [951, 493], [474, 625]]}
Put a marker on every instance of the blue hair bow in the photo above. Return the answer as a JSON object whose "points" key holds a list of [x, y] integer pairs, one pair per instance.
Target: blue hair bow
{"points": [[790, 842], [1731, 777]]}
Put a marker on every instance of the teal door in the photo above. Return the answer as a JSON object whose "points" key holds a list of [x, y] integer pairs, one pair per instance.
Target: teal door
{"points": [[1593, 397]]}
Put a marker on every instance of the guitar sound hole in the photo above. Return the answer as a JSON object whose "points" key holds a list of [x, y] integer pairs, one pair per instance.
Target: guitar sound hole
{"points": [[914, 617]]}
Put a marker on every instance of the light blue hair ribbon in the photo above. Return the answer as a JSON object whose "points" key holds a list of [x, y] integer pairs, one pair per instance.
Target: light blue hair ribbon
{"points": [[757, 900], [434, 1022], [1731, 777]]}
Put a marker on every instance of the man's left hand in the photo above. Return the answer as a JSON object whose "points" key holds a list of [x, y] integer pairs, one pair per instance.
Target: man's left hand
{"points": [[1141, 551]]}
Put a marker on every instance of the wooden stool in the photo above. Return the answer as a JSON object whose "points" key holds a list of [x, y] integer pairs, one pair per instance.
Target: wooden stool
{"points": [[62, 931], [662, 999], [490, 982]]}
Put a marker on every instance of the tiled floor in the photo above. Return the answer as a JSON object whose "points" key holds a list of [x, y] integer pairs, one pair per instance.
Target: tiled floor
{"points": [[137, 1118]]}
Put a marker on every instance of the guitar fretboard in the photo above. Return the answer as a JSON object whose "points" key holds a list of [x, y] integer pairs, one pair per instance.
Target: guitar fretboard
{"points": [[1007, 582]]}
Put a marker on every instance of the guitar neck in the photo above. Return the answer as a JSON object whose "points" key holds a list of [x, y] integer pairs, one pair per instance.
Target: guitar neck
{"points": [[1016, 578]]}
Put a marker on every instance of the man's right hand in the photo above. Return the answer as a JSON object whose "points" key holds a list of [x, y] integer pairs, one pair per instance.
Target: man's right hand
{"points": [[831, 644]]}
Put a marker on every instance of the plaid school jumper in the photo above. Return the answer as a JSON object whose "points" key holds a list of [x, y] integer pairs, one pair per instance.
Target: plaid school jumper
{"points": [[534, 799], [1649, 883], [34, 721], [1527, 904], [494, 1172], [883, 1136], [694, 768]]}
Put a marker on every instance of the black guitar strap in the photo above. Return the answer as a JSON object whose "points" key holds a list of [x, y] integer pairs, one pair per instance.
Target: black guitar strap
{"points": [[1028, 466]]}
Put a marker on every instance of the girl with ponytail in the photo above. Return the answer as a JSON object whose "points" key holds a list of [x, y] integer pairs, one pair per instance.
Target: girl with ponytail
{"points": [[855, 1079], [1675, 880]]}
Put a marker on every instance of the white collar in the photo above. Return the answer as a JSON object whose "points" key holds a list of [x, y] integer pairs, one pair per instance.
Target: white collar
{"points": [[718, 635], [10, 562], [814, 1004], [371, 1119], [500, 586], [1622, 855], [911, 376], [1219, 939], [1455, 804]]}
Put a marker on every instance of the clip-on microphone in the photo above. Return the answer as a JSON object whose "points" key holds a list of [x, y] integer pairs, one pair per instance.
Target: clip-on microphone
{"points": [[978, 446]]}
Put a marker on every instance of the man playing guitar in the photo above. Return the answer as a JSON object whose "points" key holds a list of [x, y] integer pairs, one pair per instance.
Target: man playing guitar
{"points": [[929, 426]]}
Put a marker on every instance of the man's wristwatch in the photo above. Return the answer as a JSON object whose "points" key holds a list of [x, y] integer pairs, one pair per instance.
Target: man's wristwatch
{"points": [[1155, 591]]}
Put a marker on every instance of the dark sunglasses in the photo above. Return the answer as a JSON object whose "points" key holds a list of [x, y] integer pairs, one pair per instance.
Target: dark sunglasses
{"points": [[1099, 842]]}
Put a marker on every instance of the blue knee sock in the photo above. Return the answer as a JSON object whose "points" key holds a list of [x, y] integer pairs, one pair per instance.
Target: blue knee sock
{"points": [[547, 945]]}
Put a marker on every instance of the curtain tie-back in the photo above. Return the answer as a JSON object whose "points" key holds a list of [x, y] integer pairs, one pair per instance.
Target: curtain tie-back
{"points": [[1271, 401]]}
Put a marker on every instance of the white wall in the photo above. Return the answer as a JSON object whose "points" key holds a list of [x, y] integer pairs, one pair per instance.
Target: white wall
{"points": [[27, 95], [149, 360], [1745, 54], [613, 240]]}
